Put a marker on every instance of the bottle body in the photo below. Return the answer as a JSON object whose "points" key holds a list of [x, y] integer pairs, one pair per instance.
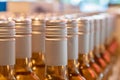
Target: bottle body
{"points": [[7, 73], [72, 47], [73, 72], [38, 64], [7, 49], [99, 60], [105, 54], [53, 72], [38, 46], [85, 68], [56, 50], [95, 66], [23, 70]]}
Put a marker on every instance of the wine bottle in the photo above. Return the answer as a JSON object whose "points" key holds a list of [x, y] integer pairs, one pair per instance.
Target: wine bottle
{"points": [[72, 45], [23, 69], [84, 66], [103, 52], [111, 43], [7, 49], [92, 62], [38, 46], [97, 57], [56, 50]]}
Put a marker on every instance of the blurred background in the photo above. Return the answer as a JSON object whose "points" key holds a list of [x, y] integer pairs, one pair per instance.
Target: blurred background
{"points": [[56, 5], [62, 7]]}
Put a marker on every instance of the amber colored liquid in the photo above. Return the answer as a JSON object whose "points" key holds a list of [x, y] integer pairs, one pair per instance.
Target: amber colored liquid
{"points": [[73, 73], [98, 59], [6, 73], [107, 58], [85, 69], [105, 54], [56, 73], [75, 76], [100, 62], [3, 77], [95, 66], [38, 65], [23, 71], [112, 46]]}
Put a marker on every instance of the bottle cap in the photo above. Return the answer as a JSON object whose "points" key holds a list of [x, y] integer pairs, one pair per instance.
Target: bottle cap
{"points": [[84, 34], [7, 42], [23, 25], [7, 29], [56, 29], [56, 43]]}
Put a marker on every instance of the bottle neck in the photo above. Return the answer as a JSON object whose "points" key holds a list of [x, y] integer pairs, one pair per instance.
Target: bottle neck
{"points": [[96, 51], [91, 56], [83, 59], [56, 73], [38, 58], [22, 64], [102, 48], [7, 72], [73, 64]]}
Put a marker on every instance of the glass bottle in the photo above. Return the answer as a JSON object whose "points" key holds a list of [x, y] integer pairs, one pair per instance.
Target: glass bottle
{"points": [[97, 57], [23, 69], [73, 72], [104, 53], [38, 46], [84, 66], [7, 50], [111, 43], [107, 25], [92, 62], [56, 50]]}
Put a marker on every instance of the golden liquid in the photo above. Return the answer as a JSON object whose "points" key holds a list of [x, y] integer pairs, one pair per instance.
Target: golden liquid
{"points": [[105, 54], [100, 62], [85, 69], [73, 73], [95, 66], [6, 73], [23, 70], [112, 46], [113, 49], [38, 65], [56, 73], [98, 59]]}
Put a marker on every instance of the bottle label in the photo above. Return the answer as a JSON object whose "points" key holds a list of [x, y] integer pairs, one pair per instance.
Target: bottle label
{"points": [[73, 47], [56, 52], [7, 52], [38, 43], [83, 43], [23, 46]]}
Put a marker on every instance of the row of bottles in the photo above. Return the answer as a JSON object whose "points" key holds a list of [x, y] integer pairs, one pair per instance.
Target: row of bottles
{"points": [[63, 47]]}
